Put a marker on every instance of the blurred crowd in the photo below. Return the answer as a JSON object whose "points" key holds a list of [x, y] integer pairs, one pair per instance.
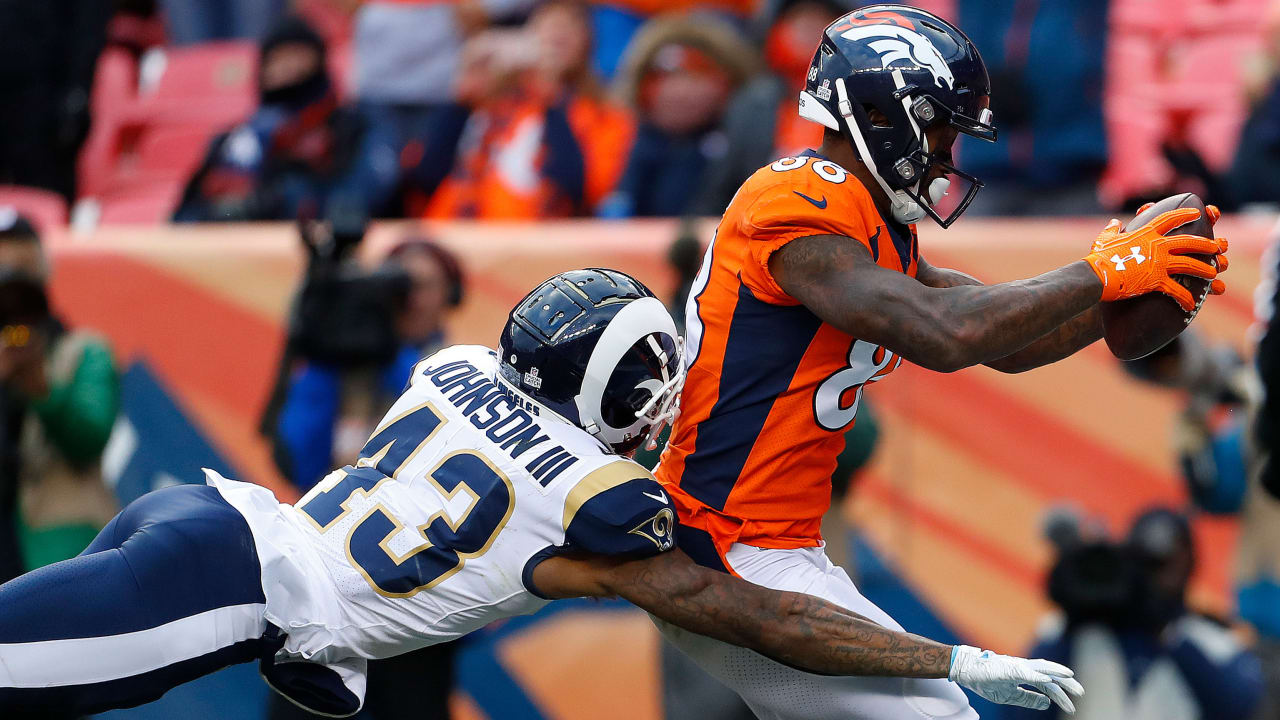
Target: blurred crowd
{"points": [[528, 109]]}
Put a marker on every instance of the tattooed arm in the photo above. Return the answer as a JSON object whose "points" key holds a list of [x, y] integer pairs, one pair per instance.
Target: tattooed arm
{"points": [[1067, 339], [943, 329], [799, 630]]}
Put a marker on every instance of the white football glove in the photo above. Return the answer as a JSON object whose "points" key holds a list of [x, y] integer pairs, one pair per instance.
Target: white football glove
{"points": [[999, 678]]}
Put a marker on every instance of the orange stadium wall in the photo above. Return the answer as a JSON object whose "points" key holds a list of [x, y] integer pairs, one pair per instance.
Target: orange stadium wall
{"points": [[967, 464]]}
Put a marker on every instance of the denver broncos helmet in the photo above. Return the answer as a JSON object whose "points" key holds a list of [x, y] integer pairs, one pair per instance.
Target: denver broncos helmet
{"points": [[596, 349], [917, 70]]}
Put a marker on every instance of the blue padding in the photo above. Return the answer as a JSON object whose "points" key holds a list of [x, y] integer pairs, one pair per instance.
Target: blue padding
{"points": [[881, 585], [169, 447], [1259, 604], [613, 28], [1228, 455]]}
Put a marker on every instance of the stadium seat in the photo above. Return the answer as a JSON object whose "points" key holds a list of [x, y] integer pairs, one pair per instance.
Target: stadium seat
{"points": [[210, 86], [155, 137], [333, 23], [172, 152], [341, 62], [115, 84], [45, 208], [141, 204], [1176, 68], [211, 71]]}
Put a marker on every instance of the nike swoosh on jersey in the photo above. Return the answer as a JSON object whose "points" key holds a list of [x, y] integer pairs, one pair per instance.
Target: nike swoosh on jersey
{"points": [[660, 497], [820, 205]]}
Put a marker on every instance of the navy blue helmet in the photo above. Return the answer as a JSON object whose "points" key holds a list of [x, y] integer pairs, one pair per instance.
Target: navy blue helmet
{"points": [[595, 348], [918, 70]]}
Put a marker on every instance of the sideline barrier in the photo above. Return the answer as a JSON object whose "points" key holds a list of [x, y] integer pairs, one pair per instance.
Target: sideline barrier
{"points": [[967, 465]]}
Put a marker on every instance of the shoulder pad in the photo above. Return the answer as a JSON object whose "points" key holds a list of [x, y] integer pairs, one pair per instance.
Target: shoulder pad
{"points": [[619, 509]]}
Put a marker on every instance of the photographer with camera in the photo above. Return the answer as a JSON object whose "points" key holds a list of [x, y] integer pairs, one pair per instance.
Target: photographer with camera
{"points": [[59, 397], [354, 338], [1125, 626], [1224, 436]]}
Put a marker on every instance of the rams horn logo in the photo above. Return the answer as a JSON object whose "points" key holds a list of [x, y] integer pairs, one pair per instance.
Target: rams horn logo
{"points": [[895, 44], [658, 529]]}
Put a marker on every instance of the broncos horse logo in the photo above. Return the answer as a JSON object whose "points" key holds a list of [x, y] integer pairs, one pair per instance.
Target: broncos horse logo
{"points": [[894, 43]]}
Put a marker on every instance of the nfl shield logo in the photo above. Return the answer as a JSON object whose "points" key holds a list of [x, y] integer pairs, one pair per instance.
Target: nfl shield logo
{"points": [[532, 380]]}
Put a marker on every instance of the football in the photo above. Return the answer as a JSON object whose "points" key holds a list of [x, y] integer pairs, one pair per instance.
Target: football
{"points": [[1137, 327]]}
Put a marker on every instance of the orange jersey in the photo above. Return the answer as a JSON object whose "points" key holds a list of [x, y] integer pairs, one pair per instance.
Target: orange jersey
{"points": [[772, 388]]}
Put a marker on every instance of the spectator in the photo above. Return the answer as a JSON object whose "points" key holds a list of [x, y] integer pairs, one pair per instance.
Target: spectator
{"points": [[678, 75], [1047, 101], [616, 21], [48, 51], [1221, 464], [62, 393], [543, 141], [328, 411], [1127, 631], [20, 244], [1255, 174], [17, 237], [196, 21], [1259, 562], [761, 123], [408, 60], [300, 152]]}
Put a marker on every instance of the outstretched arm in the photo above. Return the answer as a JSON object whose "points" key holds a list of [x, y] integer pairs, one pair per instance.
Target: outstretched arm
{"points": [[943, 329], [799, 630], [796, 629], [948, 328], [1065, 340]]}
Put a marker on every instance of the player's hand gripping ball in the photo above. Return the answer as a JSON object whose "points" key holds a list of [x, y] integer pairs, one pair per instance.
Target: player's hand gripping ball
{"points": [[1154, 281]]}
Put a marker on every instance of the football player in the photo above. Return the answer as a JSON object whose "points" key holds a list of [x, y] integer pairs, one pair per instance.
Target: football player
{"points": [[494, 484], [814, 286]]}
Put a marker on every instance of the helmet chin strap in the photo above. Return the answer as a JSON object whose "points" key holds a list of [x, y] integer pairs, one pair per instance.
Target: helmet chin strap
{"points": [[902, 206]]}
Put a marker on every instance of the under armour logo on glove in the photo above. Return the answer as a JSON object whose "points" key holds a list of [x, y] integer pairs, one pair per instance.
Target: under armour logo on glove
{"points": [[1154, 259], [1135, 254]]}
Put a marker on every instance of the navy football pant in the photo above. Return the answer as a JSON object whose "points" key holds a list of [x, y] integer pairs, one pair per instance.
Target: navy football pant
{"points": [[169, 590]]}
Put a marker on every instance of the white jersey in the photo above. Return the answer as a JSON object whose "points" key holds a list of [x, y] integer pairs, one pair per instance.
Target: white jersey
{"points": [[435, 530]]}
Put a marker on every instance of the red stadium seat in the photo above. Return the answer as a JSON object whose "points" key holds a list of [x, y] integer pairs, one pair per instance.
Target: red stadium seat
{"points": [[1174, 71], [141, 204], [45, 208], [210, 86], [156, 136], [341, 61], [333, 23], [173, 152], [115, 84], [219, 70]]}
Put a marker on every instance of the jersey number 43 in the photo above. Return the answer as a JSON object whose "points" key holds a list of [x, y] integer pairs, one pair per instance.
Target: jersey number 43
{"points": [[443, 543]]}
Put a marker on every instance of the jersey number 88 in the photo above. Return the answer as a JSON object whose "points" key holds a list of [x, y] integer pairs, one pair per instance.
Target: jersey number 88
{"points": [[825, 169]]}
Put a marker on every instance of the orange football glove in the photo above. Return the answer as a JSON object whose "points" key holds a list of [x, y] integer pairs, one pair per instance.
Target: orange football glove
{"points": [[1144, 260], [1217, 287], [1211, 210]]}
